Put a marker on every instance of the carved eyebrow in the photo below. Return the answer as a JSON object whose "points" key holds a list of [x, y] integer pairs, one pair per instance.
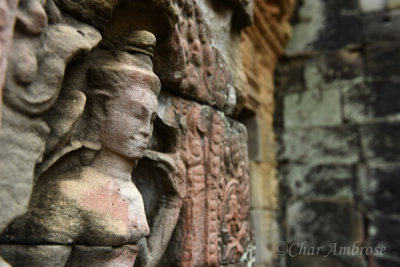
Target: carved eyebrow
{"points": [[143, 108], [149, 77], [139, 106]]}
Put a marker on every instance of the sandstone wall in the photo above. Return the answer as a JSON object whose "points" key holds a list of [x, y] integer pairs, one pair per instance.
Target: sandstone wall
{"points": [[337, 123], [65, 58], [262, 45]]}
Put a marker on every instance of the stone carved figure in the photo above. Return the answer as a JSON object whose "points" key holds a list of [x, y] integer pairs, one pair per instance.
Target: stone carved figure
{"points": [[84, 129], [45, 41], [100, 197], [95, 202]]}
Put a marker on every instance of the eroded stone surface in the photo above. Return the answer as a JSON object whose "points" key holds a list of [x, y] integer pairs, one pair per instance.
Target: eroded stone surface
{"points": [[315, 222], [32, 86], [366, 102], [81, 92], [35, 256], [7, 17], [191, 66], [381, 26], [315, 18], [34, 82], [323, 145], [383, 232], [265, 224], [213, 150], [123, 256], [18, 161], [337, 47], [378, 188], [376, 54], [323, 181], [372, 5], [96, 203], [379, 141]]}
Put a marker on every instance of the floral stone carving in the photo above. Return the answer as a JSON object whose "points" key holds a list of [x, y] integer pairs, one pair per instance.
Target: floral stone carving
{"points": [[216, 207]]}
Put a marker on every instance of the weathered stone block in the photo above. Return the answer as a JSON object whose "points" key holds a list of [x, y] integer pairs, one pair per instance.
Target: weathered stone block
{"points": [[347, 33], [310, 21], [252, 122], [332, 70], [93, 256], [83, 158], [219, 17], [380, 188], [384, 232], [337, 145], [35, 256], [213, 150], [289, 76], [372, 5], [8, 10], [267, 141], [393, 4], [382, 26], [188, 64], [380, 141], [264, 186], [312, 108], [317, 18], [267, 229], [323, 181], [342, 65], [342, 6], [365, 102], [381, 60], [18, 161], [320, 223]]}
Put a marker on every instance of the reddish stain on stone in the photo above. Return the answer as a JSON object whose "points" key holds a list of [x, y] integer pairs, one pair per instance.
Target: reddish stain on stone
{"points": [[107, 200]]}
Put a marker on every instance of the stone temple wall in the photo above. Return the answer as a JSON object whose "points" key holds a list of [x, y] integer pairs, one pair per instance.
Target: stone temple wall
{"points": [[262, 45], [337, 121], [82, 82]]}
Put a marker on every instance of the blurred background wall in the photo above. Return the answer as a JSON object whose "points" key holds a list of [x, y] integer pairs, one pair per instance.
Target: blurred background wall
{"points": [[337, 104], [261, 46], [323, 128]]}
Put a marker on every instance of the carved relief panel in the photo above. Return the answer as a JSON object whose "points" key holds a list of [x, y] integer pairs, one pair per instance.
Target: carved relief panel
{"points": [[80, 101], [215, 210]]}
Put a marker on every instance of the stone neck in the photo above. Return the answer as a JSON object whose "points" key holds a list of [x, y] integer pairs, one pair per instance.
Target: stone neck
{"points": [[114, 165]]}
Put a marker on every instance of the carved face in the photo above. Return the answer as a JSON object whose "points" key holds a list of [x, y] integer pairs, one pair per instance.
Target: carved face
{"points": [[128, 124]]}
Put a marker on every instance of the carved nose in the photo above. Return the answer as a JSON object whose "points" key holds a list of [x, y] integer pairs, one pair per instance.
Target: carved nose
{"points": [[145, 134], [145, 131]]}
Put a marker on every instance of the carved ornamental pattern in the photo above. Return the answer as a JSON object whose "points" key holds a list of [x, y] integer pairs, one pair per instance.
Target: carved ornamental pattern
{"points": [[215, 212], [90, 175]]}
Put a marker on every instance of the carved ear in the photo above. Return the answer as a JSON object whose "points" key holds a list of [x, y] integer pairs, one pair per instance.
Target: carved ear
{"points": [[102, 94], [99, 100]]}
